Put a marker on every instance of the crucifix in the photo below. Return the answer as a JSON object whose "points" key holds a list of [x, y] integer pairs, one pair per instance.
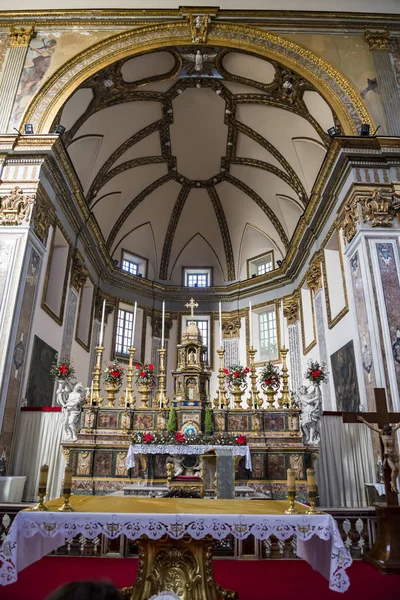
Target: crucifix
{"points": [[390, 457], [192, 305]]}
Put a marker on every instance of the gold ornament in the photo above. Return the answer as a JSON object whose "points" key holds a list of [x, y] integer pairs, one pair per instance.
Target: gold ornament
{"points": [[20, 36], [16, 207]]}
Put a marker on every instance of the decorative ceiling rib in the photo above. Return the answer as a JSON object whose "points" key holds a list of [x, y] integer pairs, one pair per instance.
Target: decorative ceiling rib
{"points": [[201, 68]]}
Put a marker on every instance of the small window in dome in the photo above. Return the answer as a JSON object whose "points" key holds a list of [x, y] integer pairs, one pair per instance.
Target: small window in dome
{"points": [[261, 264], [193, 277]]}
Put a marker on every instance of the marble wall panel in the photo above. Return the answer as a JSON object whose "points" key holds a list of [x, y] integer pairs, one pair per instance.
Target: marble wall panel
{"points": [[143, 421], [69, 323], [391, 293], [102, 464], [107, 420], [237, 422], [363, 329], [276, 466], [274, 422], [19, 352], [321, 339]]}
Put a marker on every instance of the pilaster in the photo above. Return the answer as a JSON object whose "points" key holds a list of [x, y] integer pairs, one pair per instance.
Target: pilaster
{"points": [[378, 42], [20, 38], [291, 311]]}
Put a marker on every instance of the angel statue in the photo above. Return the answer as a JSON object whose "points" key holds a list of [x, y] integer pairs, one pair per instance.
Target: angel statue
{"points": [[197, 63], [70, 397], [310, 402]]}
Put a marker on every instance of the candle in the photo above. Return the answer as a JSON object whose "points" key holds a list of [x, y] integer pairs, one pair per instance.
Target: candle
{"points": [[250, 325], [91, 393], [126, 398], [44, 473], [220, 324], [283, 326], [312, 484], [67, 480], [102, 323], [162, 324], [291, 481], [133, 326]]}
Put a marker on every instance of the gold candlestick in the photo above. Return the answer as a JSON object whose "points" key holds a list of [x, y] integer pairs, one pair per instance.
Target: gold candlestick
{"points": [[221, 400], [285, 398], [129, 400], [255, 397], [312, 492], [291, 483], [44, 472], [67, 485], [161, 398], [97, 397]]}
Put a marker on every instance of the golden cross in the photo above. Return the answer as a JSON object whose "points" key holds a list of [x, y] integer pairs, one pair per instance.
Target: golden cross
{"points": [[192, 305]]}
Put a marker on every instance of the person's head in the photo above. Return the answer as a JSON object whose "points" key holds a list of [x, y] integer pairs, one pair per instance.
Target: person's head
{"points": [[387, 429], [86, 590]]}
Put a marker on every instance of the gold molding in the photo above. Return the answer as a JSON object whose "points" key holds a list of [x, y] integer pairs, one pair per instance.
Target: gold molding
{"points": [[16, 207], [343, 311], [60, 317], [142, 39], [306, 349], [291, 307], [313, 275], [44, 214]]}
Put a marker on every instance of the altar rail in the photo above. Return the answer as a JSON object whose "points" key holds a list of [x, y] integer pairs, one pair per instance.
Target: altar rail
{"points": [[356, 525]]}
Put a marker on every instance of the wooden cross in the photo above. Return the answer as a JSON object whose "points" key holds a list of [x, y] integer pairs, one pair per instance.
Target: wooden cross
{"points": [[192, 305], [381, 417]]}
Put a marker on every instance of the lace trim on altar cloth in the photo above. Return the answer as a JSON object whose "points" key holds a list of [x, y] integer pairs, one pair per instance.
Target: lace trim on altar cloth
{"points": [[21, 546], [183, 449]]}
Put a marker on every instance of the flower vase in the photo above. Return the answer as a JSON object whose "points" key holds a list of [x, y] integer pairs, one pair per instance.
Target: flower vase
{"points": [[111, 389], [237, 392], [270, 398], [144, 392]]}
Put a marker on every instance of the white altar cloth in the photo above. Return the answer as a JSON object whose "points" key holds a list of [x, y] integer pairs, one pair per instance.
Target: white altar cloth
{"points": [[35, 534], [183, 449]]}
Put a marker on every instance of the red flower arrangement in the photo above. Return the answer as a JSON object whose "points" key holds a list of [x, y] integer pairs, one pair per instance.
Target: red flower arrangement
{"points": [[147, 438], [113, 374], [316, 373], [62, 368], [270, 376], [145, 375], [179, 437], [236, 374], [241, 440]]}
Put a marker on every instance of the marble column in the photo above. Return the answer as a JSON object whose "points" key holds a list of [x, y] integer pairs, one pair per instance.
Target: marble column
{"points": [[378, 42], [20, 38], [291, 311]]}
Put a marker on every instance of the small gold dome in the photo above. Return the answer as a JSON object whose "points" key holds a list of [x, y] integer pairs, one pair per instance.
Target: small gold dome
{"points": [[192, 333]]}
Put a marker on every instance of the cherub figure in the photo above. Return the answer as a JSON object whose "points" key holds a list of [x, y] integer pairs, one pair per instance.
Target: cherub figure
{"points": [[390, 456]]}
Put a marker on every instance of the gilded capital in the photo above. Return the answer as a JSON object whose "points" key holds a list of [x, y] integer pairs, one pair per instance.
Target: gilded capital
{"points": [[43, 216], [377, 210], [79, 273], [20, 36], [377, 40], [349, 219], [291, 308], [16, 207], [314, 274], [231, 328]]}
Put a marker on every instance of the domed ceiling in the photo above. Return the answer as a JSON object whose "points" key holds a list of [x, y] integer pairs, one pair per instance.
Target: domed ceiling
{"points": [[196, 156]]}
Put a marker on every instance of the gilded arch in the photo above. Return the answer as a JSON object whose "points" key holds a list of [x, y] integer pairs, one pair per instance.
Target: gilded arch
{"points": [[334, 87]]}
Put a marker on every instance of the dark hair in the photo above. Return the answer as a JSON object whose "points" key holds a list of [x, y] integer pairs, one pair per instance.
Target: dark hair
{"points": [[387, 429], [86, 590]]}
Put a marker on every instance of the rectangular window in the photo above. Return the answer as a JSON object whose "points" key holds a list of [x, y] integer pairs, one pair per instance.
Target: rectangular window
{"points": [[264, 268], [268, 335], [197, 277], [123, 336], [130, 267]]}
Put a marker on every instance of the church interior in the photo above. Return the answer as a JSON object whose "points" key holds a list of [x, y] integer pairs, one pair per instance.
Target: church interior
{"points": [[200, 298]]}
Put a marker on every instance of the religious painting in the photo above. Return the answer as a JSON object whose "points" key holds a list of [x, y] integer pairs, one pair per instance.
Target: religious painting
{"points": [[344, 376], [41, 383]]}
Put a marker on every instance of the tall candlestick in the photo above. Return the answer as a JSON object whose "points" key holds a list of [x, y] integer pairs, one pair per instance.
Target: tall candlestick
{"points": [[163, 324], [220, 325], [102, 323], [67, 480], [291, 480], [91, 393], [44, 473], [133, 325], [250, 325], [312, 485], [282, 325]]}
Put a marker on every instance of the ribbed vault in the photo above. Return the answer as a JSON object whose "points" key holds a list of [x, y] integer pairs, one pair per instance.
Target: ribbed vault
{"points": [[203, 145]]}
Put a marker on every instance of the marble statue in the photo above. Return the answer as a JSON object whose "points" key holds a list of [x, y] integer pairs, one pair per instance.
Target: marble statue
{"points": [[390, 454], [70, 398], [310, 402]]}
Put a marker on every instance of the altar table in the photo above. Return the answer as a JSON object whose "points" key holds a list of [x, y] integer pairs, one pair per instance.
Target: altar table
{"points": [[172, 525], [183, 449]]}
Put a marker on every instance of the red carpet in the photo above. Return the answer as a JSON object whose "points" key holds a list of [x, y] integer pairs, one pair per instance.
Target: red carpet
{"points": [[254, 580]]}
